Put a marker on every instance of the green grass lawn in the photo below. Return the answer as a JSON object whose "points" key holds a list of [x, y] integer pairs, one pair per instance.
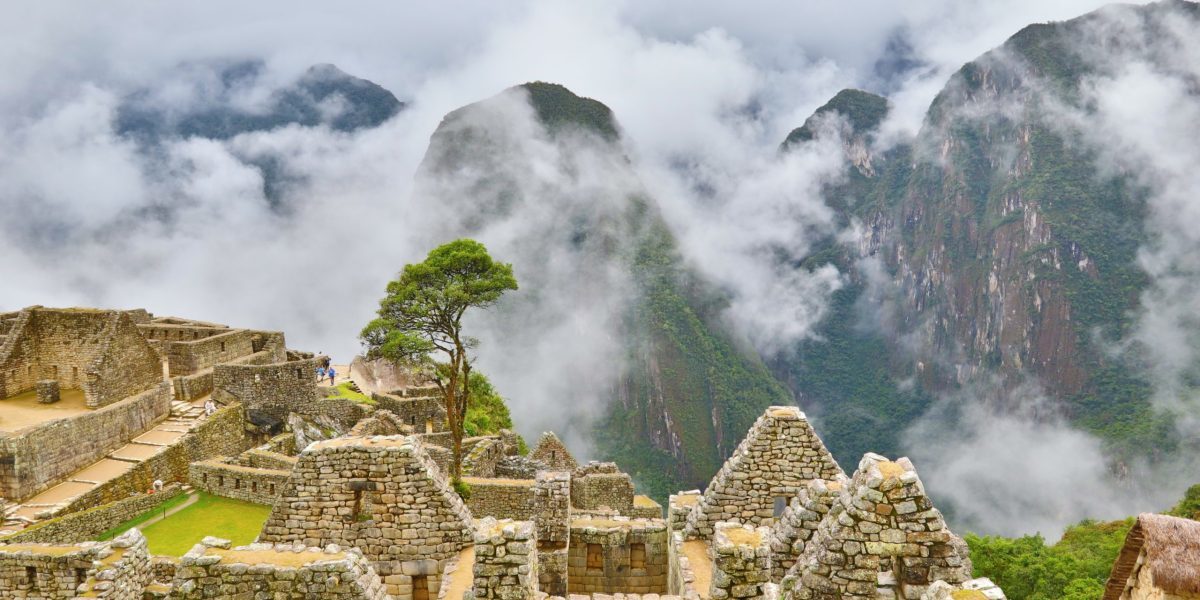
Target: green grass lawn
{"points": [[234, 520], [344, 391]]}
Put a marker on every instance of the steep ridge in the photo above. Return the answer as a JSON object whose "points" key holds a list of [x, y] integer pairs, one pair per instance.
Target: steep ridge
{"points": [[540, 174], [995, 249]]}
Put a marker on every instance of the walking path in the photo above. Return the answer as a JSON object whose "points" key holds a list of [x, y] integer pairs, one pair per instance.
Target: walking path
{"points": [[192, 499], [184, 417]]}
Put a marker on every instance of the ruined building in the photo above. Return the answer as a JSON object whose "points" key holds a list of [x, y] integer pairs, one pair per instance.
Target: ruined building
{"points": [[361, 507]]}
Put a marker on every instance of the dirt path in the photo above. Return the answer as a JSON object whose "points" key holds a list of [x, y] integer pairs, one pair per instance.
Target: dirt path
{"points": [[696, 552], [192, 498], [464, 574]]}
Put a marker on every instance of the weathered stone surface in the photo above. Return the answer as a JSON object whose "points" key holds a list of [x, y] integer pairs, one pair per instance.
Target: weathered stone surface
{"points": [[856, 541], [779, 456], [379, 494], [551, 452]]}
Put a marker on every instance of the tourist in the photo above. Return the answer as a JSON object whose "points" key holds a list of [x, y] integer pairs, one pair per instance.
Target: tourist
{"points": [[321, 373], [158, 485], [332, 373], [210, 407]]}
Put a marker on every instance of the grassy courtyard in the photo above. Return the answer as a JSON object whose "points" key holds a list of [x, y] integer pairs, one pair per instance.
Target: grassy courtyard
{"points": [[234, 520], [345, 391]]}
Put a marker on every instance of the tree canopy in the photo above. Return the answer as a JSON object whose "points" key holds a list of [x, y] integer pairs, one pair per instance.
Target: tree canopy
{"points": [[422, 314]]}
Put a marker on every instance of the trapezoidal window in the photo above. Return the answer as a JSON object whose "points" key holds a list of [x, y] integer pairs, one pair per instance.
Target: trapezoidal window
{"points": [[595, 557], [637, 556], [222, 346], [31, 577]]}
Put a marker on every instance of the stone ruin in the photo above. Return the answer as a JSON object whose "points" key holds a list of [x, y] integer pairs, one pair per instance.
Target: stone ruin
{"points": [[378, 494], [550, 451], [361, 506]]}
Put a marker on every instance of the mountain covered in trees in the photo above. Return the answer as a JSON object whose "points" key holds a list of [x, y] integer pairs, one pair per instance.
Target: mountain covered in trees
{"points": [[589, 232], [1003, 247], [997, 251]]}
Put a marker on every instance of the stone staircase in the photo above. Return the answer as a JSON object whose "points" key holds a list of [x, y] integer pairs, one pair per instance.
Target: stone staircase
{"points": [[183, 417]]}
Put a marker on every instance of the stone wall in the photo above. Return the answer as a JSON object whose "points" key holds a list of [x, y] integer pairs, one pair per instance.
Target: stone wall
{"points": [[39, 457], [379, 494], [481, 460], [212, 570], [275, 389], [266, 459], [779, 456], [380, 422], [792, 530], [124, 366], [609, 555], [881, 533], [681, 578], [123, 574], [220, 434], [518, 467], [192, 387], [551, 452], [343, 411], [187, 357], [97, 351], [501, 498], [261, 486], [117, 570], [506, 560], [741, 560], [601, 485], [424, 414], [644, 507], [89, 524], [680, 507]]}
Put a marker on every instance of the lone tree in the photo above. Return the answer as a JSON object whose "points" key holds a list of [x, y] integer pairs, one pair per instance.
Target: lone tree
{"points": [[422, 315]]}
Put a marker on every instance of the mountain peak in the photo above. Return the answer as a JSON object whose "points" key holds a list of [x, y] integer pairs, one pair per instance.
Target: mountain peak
{"points": [[863, 110], [558, 107]]}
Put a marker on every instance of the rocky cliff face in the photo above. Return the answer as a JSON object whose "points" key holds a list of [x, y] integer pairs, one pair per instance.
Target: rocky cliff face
{"points": [[996, 246]]}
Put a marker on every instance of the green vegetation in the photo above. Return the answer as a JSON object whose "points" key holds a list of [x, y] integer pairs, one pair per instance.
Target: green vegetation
{"points": [[422, 314], [558, 108], [158, 511], [864, 110], [1075, 568], [345, 391], [234, 520], [849, 369], [685, 364], [487, 414]]}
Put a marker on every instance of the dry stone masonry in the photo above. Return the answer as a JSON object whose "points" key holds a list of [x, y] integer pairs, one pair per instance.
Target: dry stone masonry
{"points": [[882, 538], [798, 523], [551, 452], [741, 562], [212, 570], [506, 560], [380, 495], [778, 457], [361, 505]]}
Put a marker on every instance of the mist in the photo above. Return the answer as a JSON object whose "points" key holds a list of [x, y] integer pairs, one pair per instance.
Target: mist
{"points": [[703, 94]]}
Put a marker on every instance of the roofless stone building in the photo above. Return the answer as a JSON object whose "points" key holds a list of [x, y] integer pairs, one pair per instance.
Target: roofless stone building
{"points": [[361, 507]]}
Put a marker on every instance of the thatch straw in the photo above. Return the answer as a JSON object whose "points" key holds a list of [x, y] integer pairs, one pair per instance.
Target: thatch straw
{"points": [[1172, 553]]}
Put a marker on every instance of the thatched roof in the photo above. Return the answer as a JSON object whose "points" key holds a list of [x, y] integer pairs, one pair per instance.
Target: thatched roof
{"points": [[1172, 553]]}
